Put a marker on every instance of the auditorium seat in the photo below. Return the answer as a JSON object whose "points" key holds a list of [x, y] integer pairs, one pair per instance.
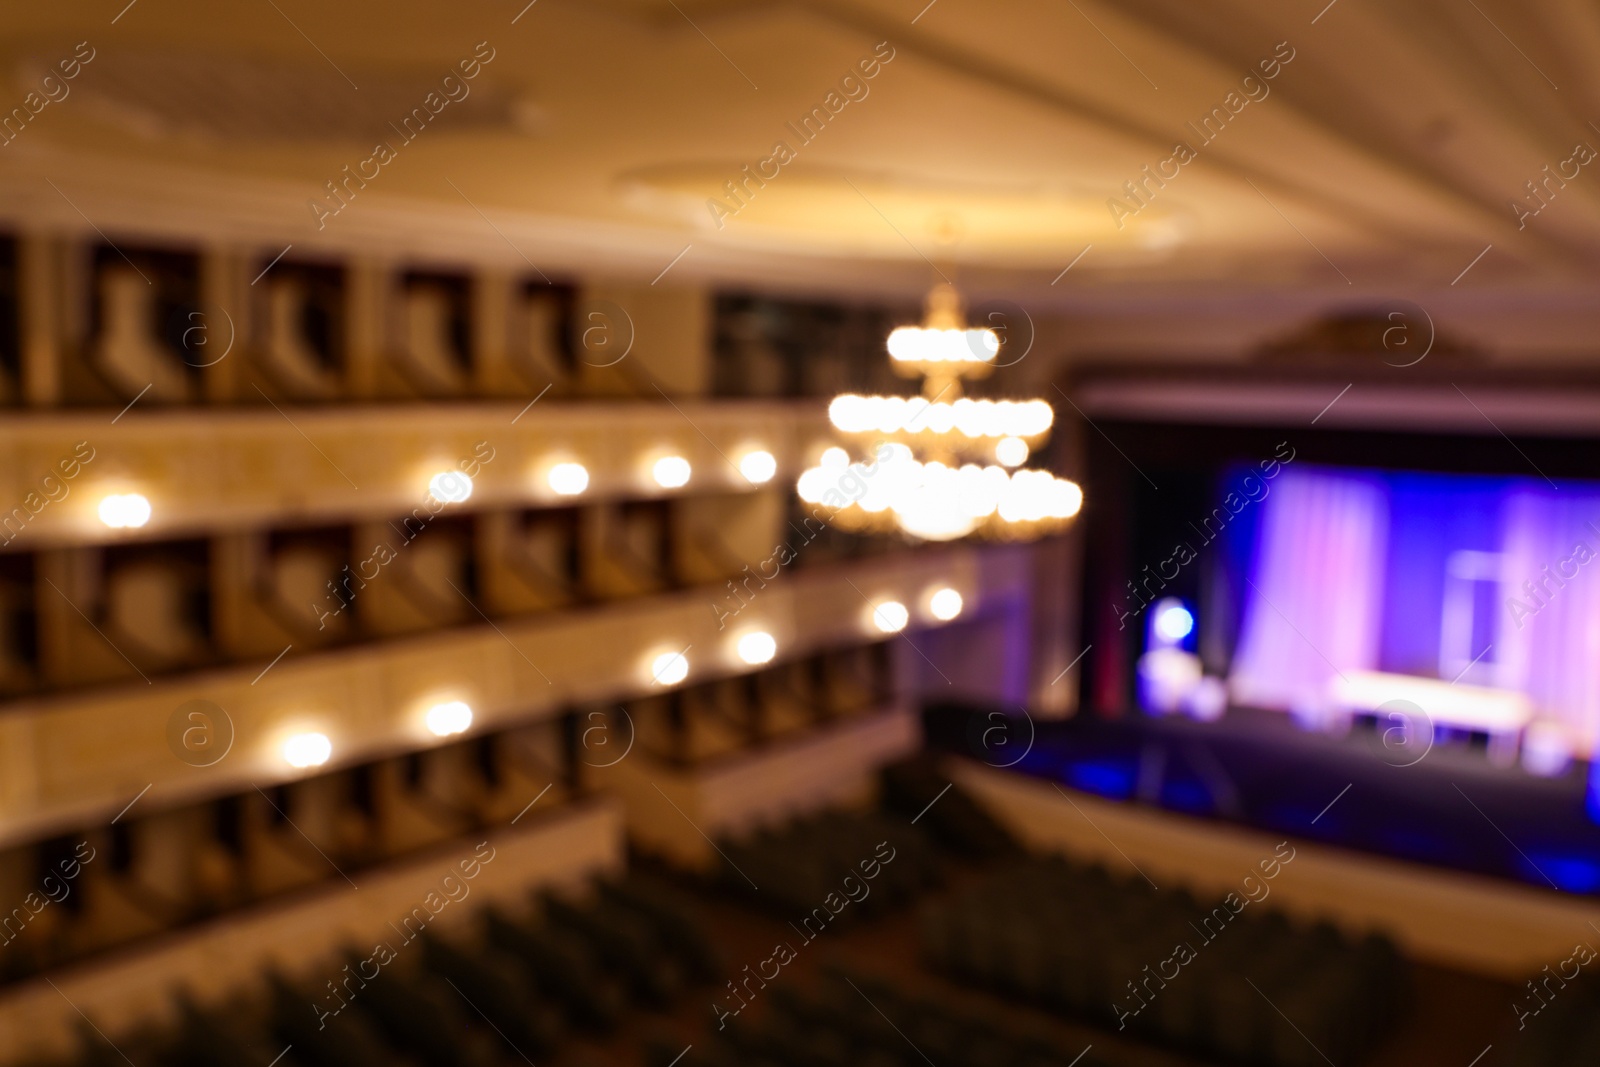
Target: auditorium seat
{"points": [[1074, 940], [504, 989], [799, 865], [853, 1018], [496, 987], [565, 968], [1565, 1030], [627, 945], [343, 1040], [916, 789]]}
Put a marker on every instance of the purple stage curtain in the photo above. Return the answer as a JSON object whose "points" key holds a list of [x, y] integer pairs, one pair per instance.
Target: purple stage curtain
{"points": [[1314, 605], [1548, 631]]}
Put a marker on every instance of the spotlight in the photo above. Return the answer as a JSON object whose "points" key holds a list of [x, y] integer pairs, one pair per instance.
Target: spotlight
{"points": [[890, 616], [450, 487], [669, 668], [945, 604], [122, 511], [757, 647], [307, 750], [568, 479], [671, 472], [1171, 622], [1168, 679], [447, 720], [1011, 451], [758, 466]]}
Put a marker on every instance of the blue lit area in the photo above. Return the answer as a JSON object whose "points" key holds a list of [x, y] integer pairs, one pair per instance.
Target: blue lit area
{"points": [[1591, 793], [1172, 623], [1109, 777], [1572, 872], [1171, 676], [1467, 595]]}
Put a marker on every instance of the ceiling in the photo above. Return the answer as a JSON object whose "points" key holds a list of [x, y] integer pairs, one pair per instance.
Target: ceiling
{"points": [[1383, 157]]}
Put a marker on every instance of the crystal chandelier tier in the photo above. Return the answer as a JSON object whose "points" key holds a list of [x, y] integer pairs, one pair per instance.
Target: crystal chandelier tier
{"points": [[971, 480]]}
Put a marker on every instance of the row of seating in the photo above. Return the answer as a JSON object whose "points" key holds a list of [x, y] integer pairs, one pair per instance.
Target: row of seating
{"points": [[799, 866], [511, 991], [1253, 989], [1243, 984], [168, 869], [859, 1020], [918, 789], [1559, 1019]]}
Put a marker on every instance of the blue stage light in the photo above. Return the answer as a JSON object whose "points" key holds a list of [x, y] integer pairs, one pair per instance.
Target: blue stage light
{"points": [[1570, 871], [1109, 776], [1173, 621]]}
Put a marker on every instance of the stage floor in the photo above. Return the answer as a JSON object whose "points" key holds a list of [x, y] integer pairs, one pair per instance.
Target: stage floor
{"points": [[1447, 806]]}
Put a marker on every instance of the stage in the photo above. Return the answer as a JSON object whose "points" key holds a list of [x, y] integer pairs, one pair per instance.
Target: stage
{"points": [[1446, 805]]}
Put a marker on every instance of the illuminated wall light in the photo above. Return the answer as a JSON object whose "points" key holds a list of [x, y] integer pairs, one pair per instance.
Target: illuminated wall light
{"points": [[890, 616], [671, 472], [450, 487], [945, 604], [1011, 451], [757, 647], [307, 750], [758, 466], [669, 668], [449, 719], [122, 511], [568, 479]]}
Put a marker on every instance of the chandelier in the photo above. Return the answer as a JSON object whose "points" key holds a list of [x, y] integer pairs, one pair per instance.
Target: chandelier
{"points": [[972, 480]]}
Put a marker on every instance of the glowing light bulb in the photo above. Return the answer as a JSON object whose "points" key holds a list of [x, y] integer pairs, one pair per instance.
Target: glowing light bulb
{"points": [[1174, 622], [758, 466], [669, 668], [122, 511], [450, 487], [1068, 498], [931, 507], [945, 604], [307, 750], [568, 479], [812, 484], [449, 719], [892, 414], [851, 413], [890, 616], [671, 472], [919, 344], [757, 647], [1011, 451]]}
